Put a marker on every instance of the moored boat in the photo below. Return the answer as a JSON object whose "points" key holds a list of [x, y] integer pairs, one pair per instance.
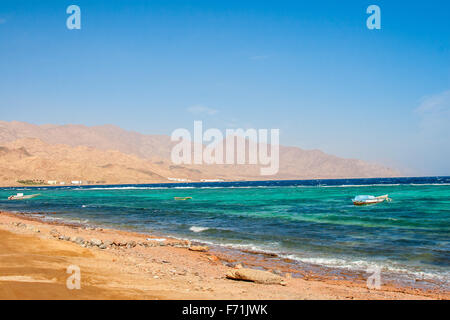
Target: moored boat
{"points": [[21, 196], [365, 199]]}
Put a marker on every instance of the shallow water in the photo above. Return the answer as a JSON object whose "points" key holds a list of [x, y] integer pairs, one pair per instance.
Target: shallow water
{"points": [[309, 221]]}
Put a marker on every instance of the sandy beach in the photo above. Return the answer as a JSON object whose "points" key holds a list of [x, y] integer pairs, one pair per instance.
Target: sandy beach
{"points": [[36, 255]]}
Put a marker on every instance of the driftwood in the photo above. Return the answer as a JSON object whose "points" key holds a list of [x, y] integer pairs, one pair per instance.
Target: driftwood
{"points": [[257, 276]]}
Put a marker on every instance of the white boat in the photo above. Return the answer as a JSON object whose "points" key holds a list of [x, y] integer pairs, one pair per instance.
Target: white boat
{"points": [[363, 200], [21, 196]]}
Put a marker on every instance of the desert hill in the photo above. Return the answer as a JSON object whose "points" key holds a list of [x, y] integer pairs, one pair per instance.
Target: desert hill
{"points": [[109, 154]]}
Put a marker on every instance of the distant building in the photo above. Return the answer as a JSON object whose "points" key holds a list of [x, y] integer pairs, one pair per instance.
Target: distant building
{"points": [[77, 182], [212, 180], [178, 179], [52, 182], [62, 183]]}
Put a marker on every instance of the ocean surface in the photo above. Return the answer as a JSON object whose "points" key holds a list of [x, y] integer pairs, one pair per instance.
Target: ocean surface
{"points": [[311, 222]]}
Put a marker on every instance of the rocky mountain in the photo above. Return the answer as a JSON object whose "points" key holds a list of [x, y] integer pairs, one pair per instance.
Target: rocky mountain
{"points": [[109, 154]]}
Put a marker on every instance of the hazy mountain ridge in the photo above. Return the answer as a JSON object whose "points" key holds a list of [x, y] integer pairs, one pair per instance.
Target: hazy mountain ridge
{"points": [[109, 154]]}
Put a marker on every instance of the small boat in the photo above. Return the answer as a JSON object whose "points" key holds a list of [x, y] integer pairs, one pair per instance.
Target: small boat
{"points": [[21, 196], [182, 198], [364, 200]]}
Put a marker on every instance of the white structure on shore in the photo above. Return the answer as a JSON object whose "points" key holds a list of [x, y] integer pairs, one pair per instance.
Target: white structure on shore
{"points": [[77, 182], [178, 179], [52, 182], [212, 180]]}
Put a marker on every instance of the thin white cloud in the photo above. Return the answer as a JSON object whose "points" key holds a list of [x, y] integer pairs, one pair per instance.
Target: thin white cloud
{"points": [[199, 109], [434, 113]]}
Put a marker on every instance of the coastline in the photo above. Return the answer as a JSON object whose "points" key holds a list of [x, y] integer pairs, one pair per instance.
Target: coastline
{"points": [[36, 259], [165, 182]]}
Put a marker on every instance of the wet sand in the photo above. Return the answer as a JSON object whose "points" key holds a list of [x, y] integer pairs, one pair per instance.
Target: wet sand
{"points": [[35, 256]]}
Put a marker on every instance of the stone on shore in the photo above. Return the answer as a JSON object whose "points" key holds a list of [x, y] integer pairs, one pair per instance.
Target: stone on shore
{"points": [[213, 258], [96, 242], [54, 233], [79, 240], [257, 276], [199, 248]]}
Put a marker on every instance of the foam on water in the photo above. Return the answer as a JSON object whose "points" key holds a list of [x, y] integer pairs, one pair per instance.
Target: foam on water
{"points": [[198, 229]]}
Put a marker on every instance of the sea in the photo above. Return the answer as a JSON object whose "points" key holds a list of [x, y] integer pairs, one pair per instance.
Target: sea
{"points": [[310, 222]]}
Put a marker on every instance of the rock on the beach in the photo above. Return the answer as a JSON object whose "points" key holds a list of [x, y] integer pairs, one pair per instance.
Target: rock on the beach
{"points": [[199, 248], [257, 276], [79, 240], [33, 228], [180, 244], [54, 233], [119, 243], [96, 242], [212, 258]]}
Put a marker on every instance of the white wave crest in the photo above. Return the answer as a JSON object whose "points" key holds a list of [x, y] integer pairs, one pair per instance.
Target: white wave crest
{"points": [[198, 229]]}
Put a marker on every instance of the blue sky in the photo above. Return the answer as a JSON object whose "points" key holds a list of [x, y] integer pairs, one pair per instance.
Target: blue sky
{"points": [[310, 68]]}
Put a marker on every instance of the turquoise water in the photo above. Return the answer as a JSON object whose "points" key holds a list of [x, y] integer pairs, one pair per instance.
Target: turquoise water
{"points": [[311, 222]]}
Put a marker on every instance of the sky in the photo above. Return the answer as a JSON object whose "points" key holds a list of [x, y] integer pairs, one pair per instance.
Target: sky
{"points": [[309, 68]]}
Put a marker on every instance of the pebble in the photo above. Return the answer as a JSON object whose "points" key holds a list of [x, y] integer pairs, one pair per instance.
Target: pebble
{"points": [[277, 272], [212, 258], [79, 240], [199, 248], [96, 242]]}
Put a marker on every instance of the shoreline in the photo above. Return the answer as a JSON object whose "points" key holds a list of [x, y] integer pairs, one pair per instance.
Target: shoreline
{"points": [[206, 182], [274, 261], [202, 274]]}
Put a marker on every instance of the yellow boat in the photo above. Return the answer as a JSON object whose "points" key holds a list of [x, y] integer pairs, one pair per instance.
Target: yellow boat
{"points": [[182, 198]]}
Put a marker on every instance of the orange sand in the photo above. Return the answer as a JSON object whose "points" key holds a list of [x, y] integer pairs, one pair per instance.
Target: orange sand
{"points": [[33, 265]]}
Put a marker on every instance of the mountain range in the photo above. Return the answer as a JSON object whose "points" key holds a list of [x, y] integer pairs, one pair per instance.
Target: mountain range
{"points": [[110, 155]]}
